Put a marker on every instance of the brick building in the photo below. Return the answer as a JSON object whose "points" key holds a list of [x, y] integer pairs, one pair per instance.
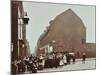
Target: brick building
{"points": [[19, 21], [66, 32]]}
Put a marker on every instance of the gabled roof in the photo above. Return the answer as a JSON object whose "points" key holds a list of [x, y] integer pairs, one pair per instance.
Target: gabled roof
{"points": [[63, 25]]}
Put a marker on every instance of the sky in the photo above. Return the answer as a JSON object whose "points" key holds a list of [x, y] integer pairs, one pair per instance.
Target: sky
{"points": [[41, 13]]}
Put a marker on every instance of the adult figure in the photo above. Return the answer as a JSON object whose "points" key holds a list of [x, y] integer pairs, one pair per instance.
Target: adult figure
{"points": [[72, 56], [19, 66], [61, 63], [56, 61], [68, 58], [41, 62], [84, 57], [13, 68], [64, 59]]}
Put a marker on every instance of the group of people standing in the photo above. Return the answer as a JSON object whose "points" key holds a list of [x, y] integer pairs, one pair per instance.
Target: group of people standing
{"points": [[59, 59], [32, 64], [28, 64]]}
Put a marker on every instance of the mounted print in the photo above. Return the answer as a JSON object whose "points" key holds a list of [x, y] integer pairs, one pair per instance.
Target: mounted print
{"points": [[52, 37]]}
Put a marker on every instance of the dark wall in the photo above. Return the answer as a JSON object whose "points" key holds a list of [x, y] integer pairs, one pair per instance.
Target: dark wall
{"points": [[14, 29]]}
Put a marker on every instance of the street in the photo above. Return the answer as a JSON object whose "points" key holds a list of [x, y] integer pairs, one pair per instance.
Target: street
{"points": [[89, 64]]}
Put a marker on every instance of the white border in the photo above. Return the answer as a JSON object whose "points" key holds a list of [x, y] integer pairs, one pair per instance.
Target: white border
{"points": [[5, 37]]}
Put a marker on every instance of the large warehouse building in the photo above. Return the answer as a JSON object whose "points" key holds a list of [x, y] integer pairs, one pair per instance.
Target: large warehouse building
{"points": [[66, 32]]}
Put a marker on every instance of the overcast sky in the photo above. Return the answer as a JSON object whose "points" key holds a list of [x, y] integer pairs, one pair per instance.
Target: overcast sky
{"points": [[41, 13]]}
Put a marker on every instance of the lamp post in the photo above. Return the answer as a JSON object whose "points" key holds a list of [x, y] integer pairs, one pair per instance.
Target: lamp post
{"points": [[25, 18]]}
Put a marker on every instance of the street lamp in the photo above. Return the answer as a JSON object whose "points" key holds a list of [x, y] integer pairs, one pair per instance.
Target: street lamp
{"points": [[25, 18]]}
